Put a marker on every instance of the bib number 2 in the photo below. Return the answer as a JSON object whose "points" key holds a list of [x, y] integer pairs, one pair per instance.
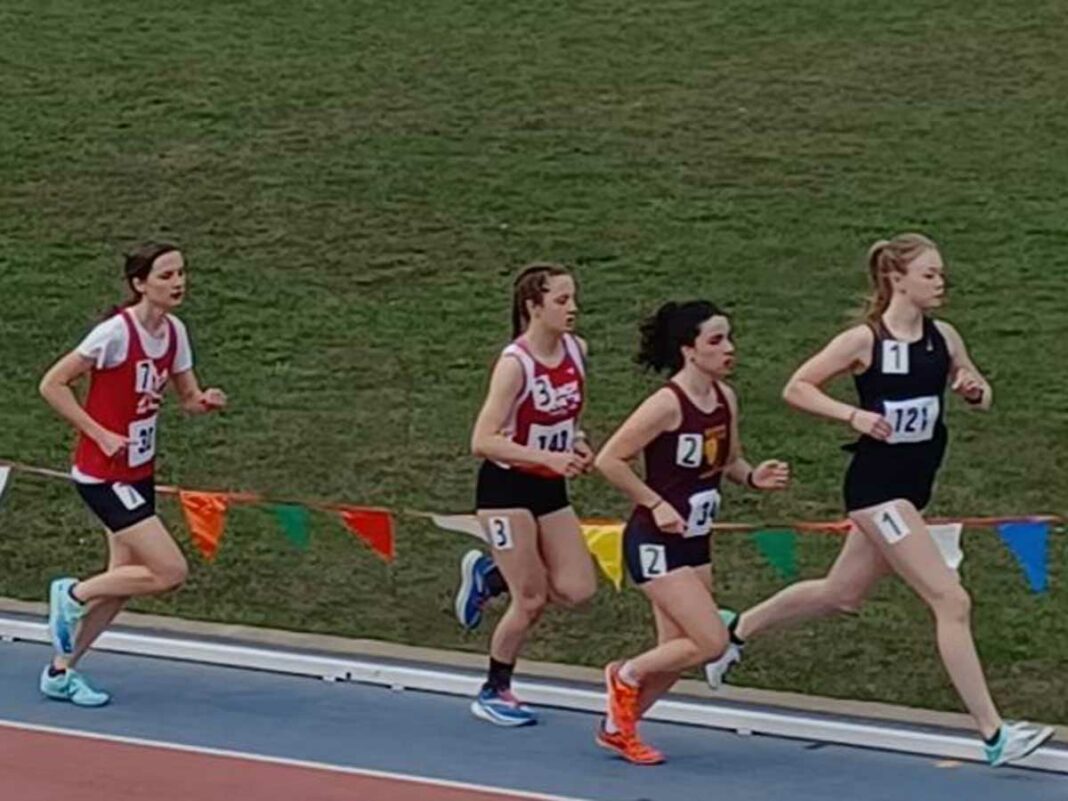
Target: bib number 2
{"points": [[653, 560]]}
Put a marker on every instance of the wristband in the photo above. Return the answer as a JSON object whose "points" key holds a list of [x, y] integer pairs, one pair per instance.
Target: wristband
{"points": [[749, 480]]}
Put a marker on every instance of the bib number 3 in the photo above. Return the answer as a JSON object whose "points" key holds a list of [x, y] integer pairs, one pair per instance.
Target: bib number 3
{"points": [[142, 448], [500, 533]]}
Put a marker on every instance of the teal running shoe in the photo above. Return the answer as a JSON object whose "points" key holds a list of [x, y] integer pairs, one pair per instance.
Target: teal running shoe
{"points": [[63, 615], [72, 686], [1016, 741]]}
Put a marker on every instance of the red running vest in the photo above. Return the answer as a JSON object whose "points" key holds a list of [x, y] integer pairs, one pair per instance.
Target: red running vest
{"points": [[125, 399], [545, 414]]}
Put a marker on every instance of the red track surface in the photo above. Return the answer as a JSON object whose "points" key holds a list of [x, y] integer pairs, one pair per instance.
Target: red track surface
{"points": [[39, 766]]}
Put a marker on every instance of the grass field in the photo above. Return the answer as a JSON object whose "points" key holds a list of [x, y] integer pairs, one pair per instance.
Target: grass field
{"points": [[353, 183]]}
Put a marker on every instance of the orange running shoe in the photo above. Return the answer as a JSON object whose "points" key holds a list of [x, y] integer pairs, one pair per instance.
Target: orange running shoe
{"points": [[630, 748], [622, 700]]}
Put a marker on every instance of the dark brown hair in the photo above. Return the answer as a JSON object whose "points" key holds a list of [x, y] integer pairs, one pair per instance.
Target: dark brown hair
{"points": [[531, 285], [673, 325]]}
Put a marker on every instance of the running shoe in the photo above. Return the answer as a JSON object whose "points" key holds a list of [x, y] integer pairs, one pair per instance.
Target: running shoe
{"points": [[473, 593], [63, 615], [502, 708], [70, 685], [1016, 741]]}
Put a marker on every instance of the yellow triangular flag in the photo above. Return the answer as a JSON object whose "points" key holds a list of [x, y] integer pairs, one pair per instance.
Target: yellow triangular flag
{"points": [[606, 545]]}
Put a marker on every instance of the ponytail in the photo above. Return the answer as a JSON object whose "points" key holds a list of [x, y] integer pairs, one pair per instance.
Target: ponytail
{"points": [[885, 257], [673, 326]]}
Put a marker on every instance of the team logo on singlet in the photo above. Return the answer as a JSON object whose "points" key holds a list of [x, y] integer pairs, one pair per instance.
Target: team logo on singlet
{"points": [[548, 398], [714, 439], [148, 385]]}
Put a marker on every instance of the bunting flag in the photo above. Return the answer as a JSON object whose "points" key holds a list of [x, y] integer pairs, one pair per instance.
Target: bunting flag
{"points": [[294, 522], [373, 526], [463, 524], [205, 514], [5, 474], [947, 539], [1027, 541], [606, 545], [779, 547]]}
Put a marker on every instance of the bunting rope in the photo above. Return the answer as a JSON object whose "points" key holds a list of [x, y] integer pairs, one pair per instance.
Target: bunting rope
{"points": [[205, 513]]}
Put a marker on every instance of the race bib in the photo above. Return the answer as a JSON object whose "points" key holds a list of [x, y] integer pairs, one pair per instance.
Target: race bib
{"points": [[895, 357], [912, 420], [704, 506], [891, 524], [128, 496], [689, 450], [559, 437], [500, 533], [653, 560], [142, 447]]}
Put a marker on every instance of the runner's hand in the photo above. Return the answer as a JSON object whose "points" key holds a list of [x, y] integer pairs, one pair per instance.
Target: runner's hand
{"points": [[667, 519], [568, 464], [871, 424]]}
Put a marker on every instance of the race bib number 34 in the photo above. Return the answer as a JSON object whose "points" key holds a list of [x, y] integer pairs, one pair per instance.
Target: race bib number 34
{"points": [[704, 506]]}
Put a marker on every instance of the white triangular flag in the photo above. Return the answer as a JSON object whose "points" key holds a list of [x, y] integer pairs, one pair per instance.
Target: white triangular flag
{"points": [[464, 524], [5, 473], [947, 538]]}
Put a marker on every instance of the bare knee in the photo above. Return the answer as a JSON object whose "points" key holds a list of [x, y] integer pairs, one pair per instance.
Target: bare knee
{"points": [[171, 575], [574, 593], [710, 645], [529, 602], [844, 600], [952, 604]]}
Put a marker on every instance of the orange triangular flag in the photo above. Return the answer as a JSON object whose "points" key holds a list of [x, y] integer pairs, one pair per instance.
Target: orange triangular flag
{"points": [[205, 514], [373, 526]]}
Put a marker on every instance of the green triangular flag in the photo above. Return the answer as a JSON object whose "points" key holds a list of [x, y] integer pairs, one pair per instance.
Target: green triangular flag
{"points": [[779, 548], [294, 522]]}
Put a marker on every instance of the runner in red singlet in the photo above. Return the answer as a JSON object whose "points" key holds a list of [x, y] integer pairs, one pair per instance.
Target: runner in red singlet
{"points": [[528, 434], [130, 357]]}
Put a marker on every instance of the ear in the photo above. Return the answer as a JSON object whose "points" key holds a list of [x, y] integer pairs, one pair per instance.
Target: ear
{"points": [[531, 308]]}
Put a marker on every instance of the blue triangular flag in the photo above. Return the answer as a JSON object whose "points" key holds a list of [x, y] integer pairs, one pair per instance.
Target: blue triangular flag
{"points": [[1027, 541]]}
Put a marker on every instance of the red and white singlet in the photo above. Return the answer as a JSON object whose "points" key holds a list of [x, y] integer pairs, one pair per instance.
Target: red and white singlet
{"points": [[125, 399], [545, 414]]}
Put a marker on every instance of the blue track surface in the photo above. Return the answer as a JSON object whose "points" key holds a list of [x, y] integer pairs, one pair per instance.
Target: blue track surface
{"points": [[435, 736]]}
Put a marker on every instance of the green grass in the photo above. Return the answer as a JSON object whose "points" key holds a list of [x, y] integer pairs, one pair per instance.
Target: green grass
{"points": [[354, 183]]}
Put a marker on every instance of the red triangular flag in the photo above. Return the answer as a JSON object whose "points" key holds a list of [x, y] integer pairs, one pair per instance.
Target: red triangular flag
{"points": [[205, 514], [373, 526]]}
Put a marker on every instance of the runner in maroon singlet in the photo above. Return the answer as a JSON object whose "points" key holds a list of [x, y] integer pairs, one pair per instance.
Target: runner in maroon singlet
{"points": [[687, 432]]}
